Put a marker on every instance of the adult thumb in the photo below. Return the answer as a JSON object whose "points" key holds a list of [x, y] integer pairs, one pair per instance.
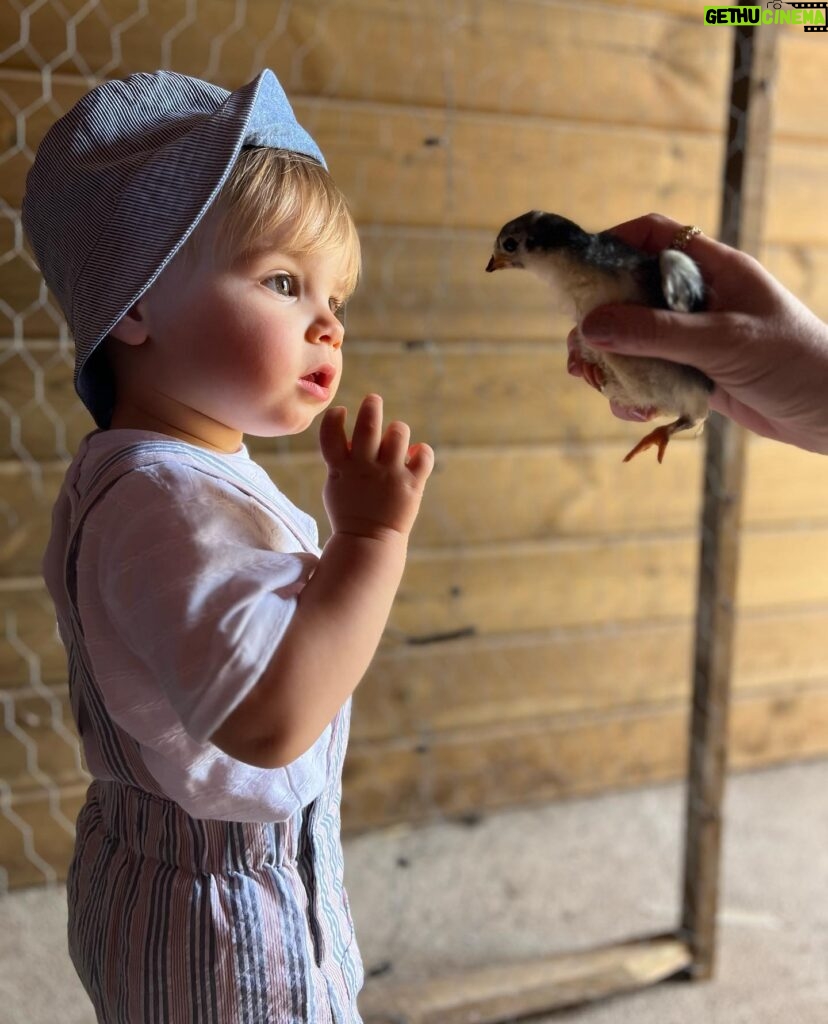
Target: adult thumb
{"points": [[631, 330]]}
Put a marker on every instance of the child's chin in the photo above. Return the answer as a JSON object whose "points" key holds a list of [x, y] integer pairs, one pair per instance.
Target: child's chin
{"points": [[284, 429]]}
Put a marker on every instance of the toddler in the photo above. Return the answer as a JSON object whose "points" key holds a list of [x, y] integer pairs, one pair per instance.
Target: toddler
{"points": [[201, 254]]}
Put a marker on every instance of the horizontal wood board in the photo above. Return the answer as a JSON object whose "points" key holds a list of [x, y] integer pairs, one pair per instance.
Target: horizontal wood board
{"points": [[505, 493], [486, 769]]}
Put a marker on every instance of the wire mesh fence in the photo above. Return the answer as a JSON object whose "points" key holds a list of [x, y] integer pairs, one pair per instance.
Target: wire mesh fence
{"points": [[534, 559]]}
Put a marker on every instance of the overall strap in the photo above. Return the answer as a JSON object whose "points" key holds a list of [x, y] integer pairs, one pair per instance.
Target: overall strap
{"points": [[120, 751]]}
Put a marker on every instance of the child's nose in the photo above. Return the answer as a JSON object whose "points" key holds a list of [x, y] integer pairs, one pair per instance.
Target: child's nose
{"points": [[326, 330]]}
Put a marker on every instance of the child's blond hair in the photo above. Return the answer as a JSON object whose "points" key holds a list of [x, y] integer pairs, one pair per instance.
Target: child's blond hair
{"points": [[288, 199]]}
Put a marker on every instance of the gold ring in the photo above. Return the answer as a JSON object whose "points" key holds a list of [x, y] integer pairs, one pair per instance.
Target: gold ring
{"points": [[683, 236]]}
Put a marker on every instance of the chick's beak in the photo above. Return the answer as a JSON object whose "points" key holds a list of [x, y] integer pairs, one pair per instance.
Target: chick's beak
{"points": [[497, 263]]}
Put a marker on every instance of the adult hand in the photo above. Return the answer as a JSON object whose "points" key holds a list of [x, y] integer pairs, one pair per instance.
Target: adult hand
{"points": [[766, 352]]}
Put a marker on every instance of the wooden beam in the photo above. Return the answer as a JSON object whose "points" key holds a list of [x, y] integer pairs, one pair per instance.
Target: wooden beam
{"points": [[504, 992], [514, 588], [435, 770], [754, 67], [387, 163], [363, 51], [437, 775]]}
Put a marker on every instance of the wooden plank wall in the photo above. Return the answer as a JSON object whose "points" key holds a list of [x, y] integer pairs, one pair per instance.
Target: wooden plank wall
{"points": [[540, 645]]}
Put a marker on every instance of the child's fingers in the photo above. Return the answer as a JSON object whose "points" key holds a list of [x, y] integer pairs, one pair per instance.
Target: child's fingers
{"points": [[394, 445], [333, 441], [421, 461], [367, 429]]}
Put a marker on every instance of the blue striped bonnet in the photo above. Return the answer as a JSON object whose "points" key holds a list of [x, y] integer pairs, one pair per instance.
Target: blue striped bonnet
{"points": [[121, 180]]}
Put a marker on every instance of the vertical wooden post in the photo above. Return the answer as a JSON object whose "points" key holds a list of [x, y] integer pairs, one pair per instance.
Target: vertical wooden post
{"points": [[754, 57]]}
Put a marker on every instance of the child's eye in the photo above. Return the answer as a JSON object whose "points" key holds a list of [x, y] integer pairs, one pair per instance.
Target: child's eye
{"points": [[282, 284]]}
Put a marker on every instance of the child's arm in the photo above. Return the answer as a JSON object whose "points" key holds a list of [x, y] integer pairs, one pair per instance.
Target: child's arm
{"points": [[372, 497]]}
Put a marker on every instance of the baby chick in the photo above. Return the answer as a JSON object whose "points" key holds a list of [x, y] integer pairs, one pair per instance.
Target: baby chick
{"points": [[586, 271]]}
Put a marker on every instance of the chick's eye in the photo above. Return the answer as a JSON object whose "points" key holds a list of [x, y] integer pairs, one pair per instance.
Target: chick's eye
{"points": [[510, 245], [281, 284]]}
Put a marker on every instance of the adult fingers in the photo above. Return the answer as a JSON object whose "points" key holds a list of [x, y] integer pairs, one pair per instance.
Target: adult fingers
{"points": [[652, 232], [727, 405], [577, 366], [704, 340], [633, 415], [573, 358]]}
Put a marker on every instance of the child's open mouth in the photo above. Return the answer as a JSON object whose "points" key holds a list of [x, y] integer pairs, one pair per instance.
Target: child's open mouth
{"points": [[318, 382]]}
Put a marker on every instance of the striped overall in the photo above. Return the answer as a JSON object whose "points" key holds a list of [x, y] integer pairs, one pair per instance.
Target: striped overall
{"points": [[178, 920]]}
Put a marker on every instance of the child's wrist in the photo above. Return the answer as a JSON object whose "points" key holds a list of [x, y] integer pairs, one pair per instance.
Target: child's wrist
{"points": [[382, 555], [373, 534]]}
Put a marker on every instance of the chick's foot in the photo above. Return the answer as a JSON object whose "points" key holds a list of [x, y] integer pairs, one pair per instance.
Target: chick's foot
{"points": [[658, 437]]}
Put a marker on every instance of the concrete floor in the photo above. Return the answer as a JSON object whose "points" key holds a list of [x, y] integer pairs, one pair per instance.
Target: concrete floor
{"points": [[523, 883]]}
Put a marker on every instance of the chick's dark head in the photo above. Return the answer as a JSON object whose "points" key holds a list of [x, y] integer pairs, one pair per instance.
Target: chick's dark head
{"points": [[533, 236]]}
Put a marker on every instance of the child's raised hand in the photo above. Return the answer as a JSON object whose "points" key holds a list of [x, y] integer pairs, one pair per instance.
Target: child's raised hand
{"points": [[375, 481]]}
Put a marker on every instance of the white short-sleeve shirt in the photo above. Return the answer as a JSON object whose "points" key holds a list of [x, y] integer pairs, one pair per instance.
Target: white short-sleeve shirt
{"points": [[185, 586]]}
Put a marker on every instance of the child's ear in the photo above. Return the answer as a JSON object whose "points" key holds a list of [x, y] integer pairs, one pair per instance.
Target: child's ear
{"points": [[132, 328]]}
